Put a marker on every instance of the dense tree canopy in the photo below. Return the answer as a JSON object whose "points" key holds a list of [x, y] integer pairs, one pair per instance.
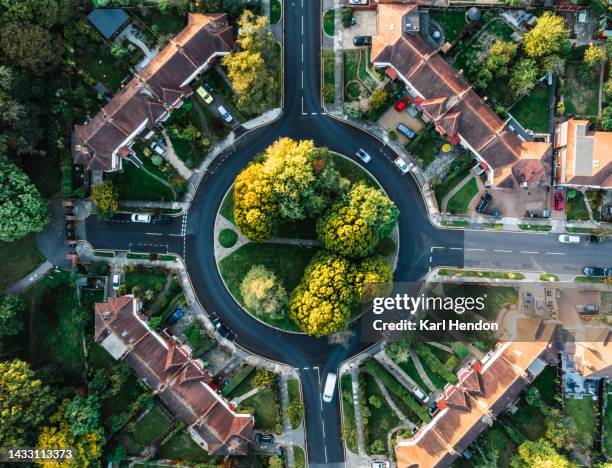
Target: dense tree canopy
{"points": [[263, 293], [547, 37], [11, 315], [355, 224], [290, 182], [24, 403], [105, 198], [373, 277], [254, 70], [500, 55], [47, 13], [539, 454], [594, 54], [22, 210], [83, 414], [31, 47], [524, 76]]}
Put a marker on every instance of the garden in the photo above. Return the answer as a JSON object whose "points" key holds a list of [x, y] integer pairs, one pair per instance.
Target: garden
{"points": [[19, 258], [358, 83], [580, 86], [575, 207], [377, 416], [270, 279], [459, 203], [452, 22], [458, 170], [532, 111]]}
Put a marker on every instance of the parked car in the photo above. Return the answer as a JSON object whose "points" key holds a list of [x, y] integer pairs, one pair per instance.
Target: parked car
{"points": [[484, 203], [358, 2], [264, 440], [479, 168], [402, 104], [163, 219], [140, 218], [157, 148], [116, 281], [176, 316], [559, 201], [594, 271], [587, 308], [406, 131], [403, 166], [362, 40], [527, 299], [592, 239], [361, 154], [569, 239], [380, 464], [205, 95], [225, 114], [221, 329], [420, 395]]}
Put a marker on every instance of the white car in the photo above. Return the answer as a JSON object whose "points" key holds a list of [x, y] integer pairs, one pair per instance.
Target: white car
{"points": [[116, 281], [140, 218], [205, 95], [158, 149], [225, 114], [380, 464], [358, 2], [568, 239], [330, 387], [365, 157], [403, 166]]}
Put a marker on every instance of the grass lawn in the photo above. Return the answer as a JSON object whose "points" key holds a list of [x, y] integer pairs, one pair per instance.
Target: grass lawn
{"points": [[348, 411], [409, 368], [19, 258], [328, 22], [438, 381], [150, 427], [496, 438], [328, 59], [266, 408], [354, 172], [145, 278], [452, 179], [133, 183], [103, 67], [275, 11], [227, 206], [424, 147], [299, 457], [496, 296], [352, 89], [287, 261], [580, 98], [293, 387], [545, 383], [576, 209], [532, 111], [529, 421], [460, 202], [382, 419], [57, 326], [581, 412], [452, 21], [183, 447], [607, 442]]}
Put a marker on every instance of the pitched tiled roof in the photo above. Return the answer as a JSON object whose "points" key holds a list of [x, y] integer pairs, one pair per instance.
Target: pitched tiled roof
{"points": [[182, 383], [152, 92], [485, 389], [449, 101]]}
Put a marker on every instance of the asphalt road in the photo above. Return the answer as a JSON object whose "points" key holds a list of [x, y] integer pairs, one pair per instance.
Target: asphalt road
{"points": [[422, 246]]}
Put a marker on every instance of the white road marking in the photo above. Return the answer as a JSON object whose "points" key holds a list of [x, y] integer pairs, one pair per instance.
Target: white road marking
{"points": [[456, 248], [430, 259], [503, 251], [433, 248], [555, 253], [313, 113], [477, 250], [176, 235], [529, 252], [302, 78], [302, 25], [154, 234], [302, 53]]}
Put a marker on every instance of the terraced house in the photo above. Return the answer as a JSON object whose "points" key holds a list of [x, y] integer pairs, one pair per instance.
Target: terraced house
{"points": [[103, 142], [451, 104], [182, 384]]}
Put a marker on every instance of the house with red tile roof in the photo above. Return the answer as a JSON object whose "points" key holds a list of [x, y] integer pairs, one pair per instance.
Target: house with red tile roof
{"points": [[153, 93], [451, 104], [584, 157], [182, 384], [485, 389]]}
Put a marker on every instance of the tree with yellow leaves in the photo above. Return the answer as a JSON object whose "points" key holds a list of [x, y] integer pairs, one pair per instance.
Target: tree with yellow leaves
{"points": [[263, 293], [547, 37], [105, 198], [594, 55]]}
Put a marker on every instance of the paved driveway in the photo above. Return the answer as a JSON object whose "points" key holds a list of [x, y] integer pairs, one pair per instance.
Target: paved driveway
{"points": [[366, 26], [392, 118]]}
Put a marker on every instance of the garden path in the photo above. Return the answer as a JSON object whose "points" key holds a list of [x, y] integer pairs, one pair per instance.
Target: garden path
{"points": [[173, 159], [286, 422], [435, 344], [454, 190], [247, 395], [420, 370], [587, 205], [396, 371], [357, 410]]}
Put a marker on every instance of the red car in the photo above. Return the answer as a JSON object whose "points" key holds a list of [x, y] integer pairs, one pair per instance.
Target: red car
{"points": [[401, 104], [559, 201]]}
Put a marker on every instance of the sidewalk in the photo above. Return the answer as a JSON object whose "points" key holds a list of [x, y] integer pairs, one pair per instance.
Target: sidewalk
{"points": [[290, 436], [26, 282]]}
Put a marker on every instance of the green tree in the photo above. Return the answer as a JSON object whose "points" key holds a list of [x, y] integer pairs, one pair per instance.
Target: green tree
{"points": [[375, 401], [560, 430], [373, 278], [500, 55], [22, 209], [11, 315], [608, 89], [378, 447], [378, 98], [254, 70], [547, 37], [44, 12], [263, 292], [524, 77], [594, 54], [83, 414], [119, 51], [539, 454], [263, 378], [606, 118], [276, 462], [352, 110], [554, 64], [322, 302], [105, 198], [165, 6], [24, 404], [30, 46]]}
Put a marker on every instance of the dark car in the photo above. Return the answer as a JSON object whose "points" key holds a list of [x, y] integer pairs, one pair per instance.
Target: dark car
{"points": [[592, 239], [264, 440], [162, 219], [176, 316], [595, 271], [362, 40], [221, 329], [484, 203], [559, 201]]}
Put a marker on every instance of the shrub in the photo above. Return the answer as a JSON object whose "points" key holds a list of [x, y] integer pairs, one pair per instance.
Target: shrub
{"points": [[460, 350], [347, 16], [434, 363], [385, 247], [228, 238], [263, 293]]}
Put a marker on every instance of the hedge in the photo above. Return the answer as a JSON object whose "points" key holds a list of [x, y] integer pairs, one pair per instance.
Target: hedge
{"points": [[397, 389], [434, 363], [237, 380]]}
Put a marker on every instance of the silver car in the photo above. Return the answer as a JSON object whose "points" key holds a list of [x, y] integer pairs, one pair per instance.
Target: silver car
{"points": [[403, 166], [361, 154]]}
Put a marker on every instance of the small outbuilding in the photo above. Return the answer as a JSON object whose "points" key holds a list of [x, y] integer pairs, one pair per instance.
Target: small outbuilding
{"points": [[473, 15], [109, 21]]}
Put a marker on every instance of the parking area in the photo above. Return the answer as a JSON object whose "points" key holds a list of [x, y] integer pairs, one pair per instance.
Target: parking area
{"points": [[570, 298], [365, 26], [518, 201], [392, 118]]}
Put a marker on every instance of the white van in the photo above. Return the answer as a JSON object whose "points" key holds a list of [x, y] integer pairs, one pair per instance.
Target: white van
{"points": [[330, 387], [568, 239]]}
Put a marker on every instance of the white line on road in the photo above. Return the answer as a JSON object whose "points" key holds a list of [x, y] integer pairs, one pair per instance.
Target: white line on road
{"points": [[302, 25], [503, 251], [433, 248], [456, 248], [302, 79], [529, 252], [302, 52], [555, 253], [313, 113], [176, 235], [477, 250], [154, 234], [430, 259], [306, 368]]}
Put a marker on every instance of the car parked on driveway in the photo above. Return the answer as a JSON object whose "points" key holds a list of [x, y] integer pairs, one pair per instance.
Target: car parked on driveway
{"points": [[559, 201], [362, 40], [403, 166], [484, 203], [205, 95], [597, 271], [141, 218], [225, 114], [402, 104], [358, 2], [569, 239], [361, 154], [116, 281], [406, 131], [264, 440]]}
